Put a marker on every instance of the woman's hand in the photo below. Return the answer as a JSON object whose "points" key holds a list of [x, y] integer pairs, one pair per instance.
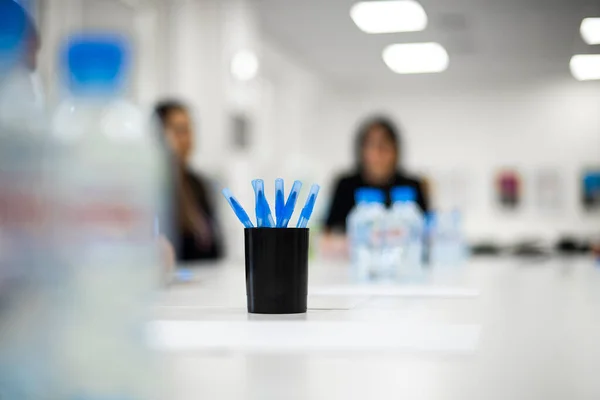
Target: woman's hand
{"points": [[334, 246]]}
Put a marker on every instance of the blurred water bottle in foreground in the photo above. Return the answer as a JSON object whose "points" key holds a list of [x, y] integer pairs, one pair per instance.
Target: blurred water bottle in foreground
{"points": [[366, 233], [109, 182], [447, 244], [404, 238], [26, 261]]}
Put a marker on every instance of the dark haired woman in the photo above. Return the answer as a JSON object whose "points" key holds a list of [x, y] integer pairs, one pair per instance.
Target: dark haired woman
{"points": [[197, 235], [377, 166]]}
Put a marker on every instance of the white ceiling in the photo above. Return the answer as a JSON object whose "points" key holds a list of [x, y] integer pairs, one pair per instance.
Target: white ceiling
{"points": [[488, 40]]}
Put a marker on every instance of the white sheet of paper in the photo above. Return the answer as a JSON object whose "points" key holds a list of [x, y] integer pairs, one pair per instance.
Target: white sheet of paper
{"points": [[311, 336], [394, 291]]}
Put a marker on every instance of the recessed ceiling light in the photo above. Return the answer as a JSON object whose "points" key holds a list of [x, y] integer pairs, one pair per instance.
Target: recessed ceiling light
{"points": [[389, 16], [416, 58], [585, 67], [590, 30], [244, 65]]}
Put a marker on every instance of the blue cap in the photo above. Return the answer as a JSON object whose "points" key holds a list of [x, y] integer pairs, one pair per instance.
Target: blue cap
{"points": [[404, 194], [13, 32], [591, 182], [95, 64], [369, 195]]}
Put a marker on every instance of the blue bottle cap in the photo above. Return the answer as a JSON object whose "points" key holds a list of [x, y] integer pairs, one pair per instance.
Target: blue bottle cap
{"points": [[95, 64], [591, 182], [13, 33], [404, 194], [369, 195]]}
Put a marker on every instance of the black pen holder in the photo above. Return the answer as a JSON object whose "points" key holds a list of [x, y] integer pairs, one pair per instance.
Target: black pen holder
{"points": [[276, 270]]}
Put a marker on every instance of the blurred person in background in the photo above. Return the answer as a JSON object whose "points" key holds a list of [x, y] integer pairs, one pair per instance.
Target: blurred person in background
{"points": [[195, 226], [378, 165]]}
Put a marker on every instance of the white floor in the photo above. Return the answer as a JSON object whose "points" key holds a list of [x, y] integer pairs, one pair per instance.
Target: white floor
{"points": [[504, 329]]}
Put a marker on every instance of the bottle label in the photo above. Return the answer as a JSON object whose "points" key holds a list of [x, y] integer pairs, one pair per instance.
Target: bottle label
{"points": [[100, 204]]}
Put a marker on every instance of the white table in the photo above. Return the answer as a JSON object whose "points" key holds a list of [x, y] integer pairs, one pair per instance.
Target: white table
{"points": [[539, 337]]}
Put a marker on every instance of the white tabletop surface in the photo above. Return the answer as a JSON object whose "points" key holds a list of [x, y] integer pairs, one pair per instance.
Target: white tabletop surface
{"points": [[496, 329]]}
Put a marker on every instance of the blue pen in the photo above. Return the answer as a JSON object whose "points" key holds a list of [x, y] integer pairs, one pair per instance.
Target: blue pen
{"points": [[308, 207], [279, 200], [237, 209], [257, 204], [264, 218], [290, 205]]}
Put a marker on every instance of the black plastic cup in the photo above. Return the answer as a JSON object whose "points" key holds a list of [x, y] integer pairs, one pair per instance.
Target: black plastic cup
{"points": [[276, 270]]}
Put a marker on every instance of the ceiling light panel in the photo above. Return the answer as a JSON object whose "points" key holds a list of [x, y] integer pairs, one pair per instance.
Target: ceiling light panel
{"points": [[389, 16], [585, 67], [590, 30], [416, 58]]}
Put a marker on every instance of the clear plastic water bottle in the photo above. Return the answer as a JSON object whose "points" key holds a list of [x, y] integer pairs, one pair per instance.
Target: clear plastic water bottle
{"points": [[461, 246], [365, 233], [110, 181], [405, 235], [26, 262], [448, 246]]}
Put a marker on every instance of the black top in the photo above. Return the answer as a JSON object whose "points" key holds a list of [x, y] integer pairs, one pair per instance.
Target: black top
{"points": [[187, 248], [343, 198]]}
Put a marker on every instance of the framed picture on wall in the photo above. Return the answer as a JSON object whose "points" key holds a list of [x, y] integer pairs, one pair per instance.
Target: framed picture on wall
{"points": [[240, 131], [549, 189], [509, 187], [590, 189]]}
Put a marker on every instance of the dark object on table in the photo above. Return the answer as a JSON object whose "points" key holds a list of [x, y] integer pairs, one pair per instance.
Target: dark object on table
{"points": [[276, 270], [486, 249], [571, 246], [532, 248]]}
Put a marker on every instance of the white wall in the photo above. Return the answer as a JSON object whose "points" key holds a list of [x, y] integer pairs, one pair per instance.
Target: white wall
{"points": [[473, 131], [282, 103], [302, 128]]}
